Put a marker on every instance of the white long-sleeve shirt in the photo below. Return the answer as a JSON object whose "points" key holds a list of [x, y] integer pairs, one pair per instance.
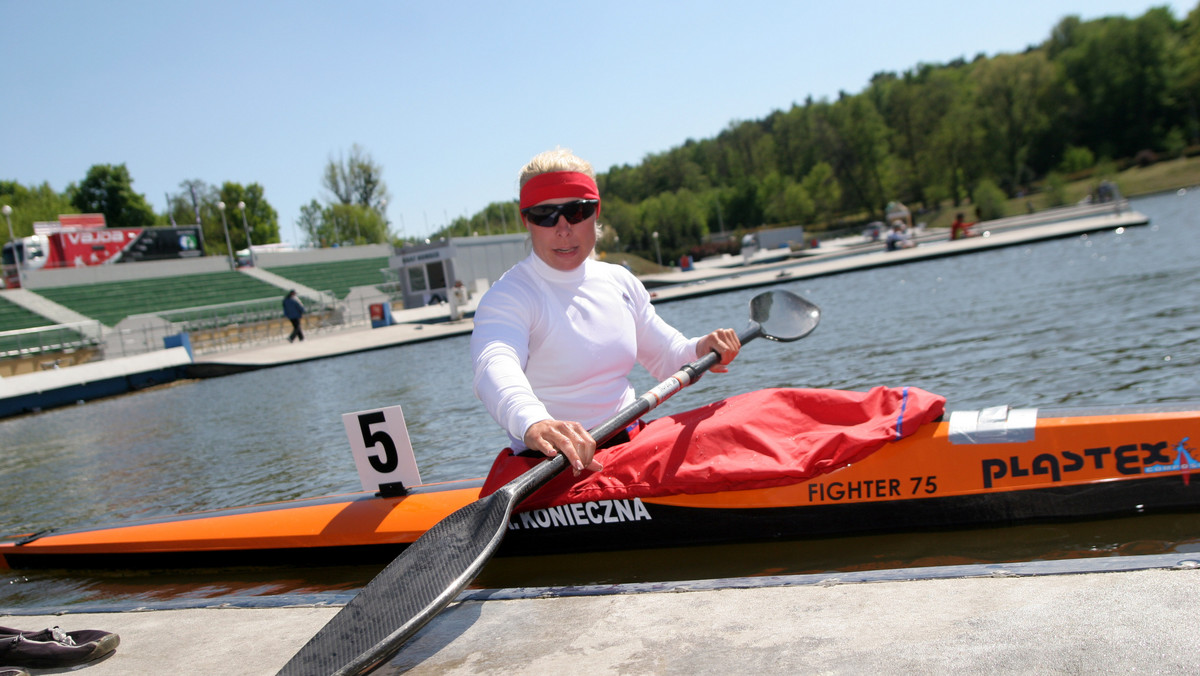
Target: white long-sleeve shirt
{"points": [[549, 344]]}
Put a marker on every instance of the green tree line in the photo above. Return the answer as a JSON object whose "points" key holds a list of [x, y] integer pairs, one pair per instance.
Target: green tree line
{"points": [[353, 211], [1094, 92]]}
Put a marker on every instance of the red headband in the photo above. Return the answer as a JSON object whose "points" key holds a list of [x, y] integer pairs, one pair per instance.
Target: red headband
{"points": [[555, 184]]}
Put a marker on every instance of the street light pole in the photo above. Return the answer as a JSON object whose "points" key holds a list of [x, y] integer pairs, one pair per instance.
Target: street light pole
{"points": [[249, 245], [657, 250], [228, 244], [18, 252]]}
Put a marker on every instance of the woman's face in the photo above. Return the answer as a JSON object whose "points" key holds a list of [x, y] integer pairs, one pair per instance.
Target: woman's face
{"points": [[563, 246]]}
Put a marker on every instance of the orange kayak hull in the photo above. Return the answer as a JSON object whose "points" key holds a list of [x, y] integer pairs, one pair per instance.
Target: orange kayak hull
{"points": [[995, 467]]}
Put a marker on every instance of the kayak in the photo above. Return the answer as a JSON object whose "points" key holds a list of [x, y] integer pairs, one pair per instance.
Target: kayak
{"points": [[990, 467]]}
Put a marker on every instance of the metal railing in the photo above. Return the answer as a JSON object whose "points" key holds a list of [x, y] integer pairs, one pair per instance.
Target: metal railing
{"points": [[210, 328], [53, 338], [229, 326]]}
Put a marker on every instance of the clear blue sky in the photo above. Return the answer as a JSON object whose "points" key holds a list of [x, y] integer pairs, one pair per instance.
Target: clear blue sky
{"points": [[451, 98]]}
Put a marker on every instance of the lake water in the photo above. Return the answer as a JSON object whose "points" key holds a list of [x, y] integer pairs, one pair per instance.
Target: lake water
{"points": [[1108, 318]]}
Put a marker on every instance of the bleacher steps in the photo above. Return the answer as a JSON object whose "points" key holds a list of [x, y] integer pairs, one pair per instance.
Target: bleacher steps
{"points": [[286, 284], [43, 306]]}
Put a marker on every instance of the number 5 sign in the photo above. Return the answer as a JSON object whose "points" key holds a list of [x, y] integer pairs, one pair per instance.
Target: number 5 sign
{"points": [[382, 451]]}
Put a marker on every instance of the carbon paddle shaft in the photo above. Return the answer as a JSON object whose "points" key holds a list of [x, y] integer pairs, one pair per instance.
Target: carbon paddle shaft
{"points": [[430, 573]]}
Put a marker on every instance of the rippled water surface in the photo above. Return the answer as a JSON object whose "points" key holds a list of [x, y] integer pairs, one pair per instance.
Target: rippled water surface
{"points": [[1110, 318]]}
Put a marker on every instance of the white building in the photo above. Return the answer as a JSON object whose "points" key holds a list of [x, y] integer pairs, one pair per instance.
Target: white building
{"points": [[427, 272]]}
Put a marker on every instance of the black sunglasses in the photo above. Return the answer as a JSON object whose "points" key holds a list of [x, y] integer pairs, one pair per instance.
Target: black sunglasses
{"points": [[546, 215]]}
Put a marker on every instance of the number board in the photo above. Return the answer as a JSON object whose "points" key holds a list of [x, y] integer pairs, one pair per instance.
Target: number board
{"points": [[382, 451]]}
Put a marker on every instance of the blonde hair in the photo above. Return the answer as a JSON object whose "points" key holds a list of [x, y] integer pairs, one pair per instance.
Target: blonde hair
{"points": [[559, 159]]}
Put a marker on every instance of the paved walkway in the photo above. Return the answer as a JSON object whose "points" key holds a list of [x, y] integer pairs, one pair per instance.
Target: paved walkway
{"points": [[321, 346], [1116, 615]]}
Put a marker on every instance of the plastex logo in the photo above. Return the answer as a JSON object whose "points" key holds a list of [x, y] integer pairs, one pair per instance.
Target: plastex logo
{"points": [[1183, 460], [1132, 459]]}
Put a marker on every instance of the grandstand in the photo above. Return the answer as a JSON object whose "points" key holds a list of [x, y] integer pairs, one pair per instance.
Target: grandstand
{"points": [[110, 302], [337, 277], [13, 317], [25, 336], [218, 307]]}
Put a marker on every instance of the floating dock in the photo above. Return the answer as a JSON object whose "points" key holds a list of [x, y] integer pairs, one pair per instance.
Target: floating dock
{"points": [[40, 390]]}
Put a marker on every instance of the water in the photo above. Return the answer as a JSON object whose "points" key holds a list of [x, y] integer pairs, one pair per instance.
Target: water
{"points": [[1110, 318]]}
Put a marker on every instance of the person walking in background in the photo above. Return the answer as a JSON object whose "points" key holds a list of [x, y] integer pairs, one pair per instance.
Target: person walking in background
{"points": [[293, 309]]}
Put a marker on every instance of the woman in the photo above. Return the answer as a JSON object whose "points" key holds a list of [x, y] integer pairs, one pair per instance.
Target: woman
{"points": [[557, 336]]}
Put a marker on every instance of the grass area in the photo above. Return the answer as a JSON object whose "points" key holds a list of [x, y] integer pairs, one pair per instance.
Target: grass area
{"points": [[639, 265], [1162, 176], [1168, 175]]}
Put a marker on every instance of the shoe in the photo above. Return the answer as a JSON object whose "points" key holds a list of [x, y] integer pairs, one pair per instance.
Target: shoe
{"points": [[53, 647]]}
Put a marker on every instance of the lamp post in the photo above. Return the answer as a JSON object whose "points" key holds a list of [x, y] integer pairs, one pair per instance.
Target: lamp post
{"points": [[387, 233], [18, 252], [228, 244], [249, 245], [657, 250]]}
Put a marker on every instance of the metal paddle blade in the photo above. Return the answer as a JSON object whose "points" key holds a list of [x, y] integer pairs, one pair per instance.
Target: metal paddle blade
{"points": [[784, 316], [410, 591]]}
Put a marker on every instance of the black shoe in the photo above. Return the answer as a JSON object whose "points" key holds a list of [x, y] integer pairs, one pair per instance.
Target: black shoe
{"points": [[51, 648]]}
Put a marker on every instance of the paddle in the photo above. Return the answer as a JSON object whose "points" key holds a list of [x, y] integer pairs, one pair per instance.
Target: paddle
{"points": [[427, 576]]}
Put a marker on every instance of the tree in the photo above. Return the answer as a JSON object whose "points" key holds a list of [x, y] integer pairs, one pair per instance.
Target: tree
{"points": [[785, 200], [108, 190], [822, 187], [853, 138], [355, 224], [356, 179], [1187, 76], [196, 203], [310, 223], [342, 224], [260, 216], [1016, 94], [913, 107], [354, 215], [1119, 72], [31, 205], [795, 149], [957, 143]]}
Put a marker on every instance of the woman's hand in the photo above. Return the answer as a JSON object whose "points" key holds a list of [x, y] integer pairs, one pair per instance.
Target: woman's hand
{"points": [[722, 341], [552, 437]]}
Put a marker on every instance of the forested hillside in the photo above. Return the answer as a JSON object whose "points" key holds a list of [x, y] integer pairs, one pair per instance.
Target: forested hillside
{"points": [[1094, 96]]}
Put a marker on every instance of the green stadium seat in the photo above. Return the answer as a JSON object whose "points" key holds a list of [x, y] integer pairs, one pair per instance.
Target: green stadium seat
{"points": [[110, 302], [336, 277]]}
